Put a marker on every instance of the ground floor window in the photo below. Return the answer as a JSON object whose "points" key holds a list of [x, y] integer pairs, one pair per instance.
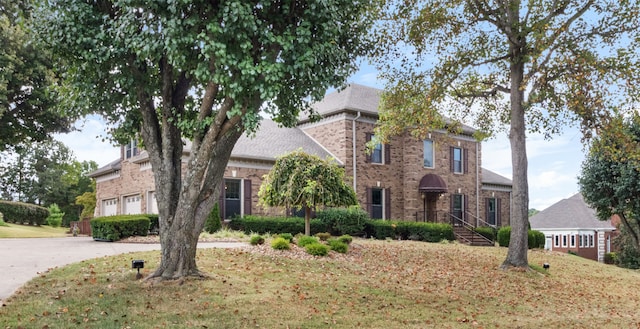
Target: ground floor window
{"points": [[235, 198], [377, 206], [556, 240]]}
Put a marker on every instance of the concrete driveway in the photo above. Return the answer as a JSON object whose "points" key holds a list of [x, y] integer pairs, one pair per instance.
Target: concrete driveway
{"points": [[22, 259]]}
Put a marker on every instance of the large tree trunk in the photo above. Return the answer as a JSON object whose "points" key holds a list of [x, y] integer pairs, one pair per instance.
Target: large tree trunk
{"points": [[518, 244]]}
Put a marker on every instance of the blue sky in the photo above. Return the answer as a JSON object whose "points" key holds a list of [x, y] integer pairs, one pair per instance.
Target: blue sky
{"points": [[553, 164]]}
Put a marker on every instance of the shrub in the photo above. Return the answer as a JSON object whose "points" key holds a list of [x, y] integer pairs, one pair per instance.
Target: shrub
{"points": [[286, 236], [306, 240], [345, 239], [114, 228], [487, 232], [280, 244], [339, 221], [23, 213], [429, 232], [317, 249], [611, 258], [338, 246], [324, 236], [154, 223], [275, 225], [256, 239], [504, 236], [535, 239], [55, 216], [213, 222]]}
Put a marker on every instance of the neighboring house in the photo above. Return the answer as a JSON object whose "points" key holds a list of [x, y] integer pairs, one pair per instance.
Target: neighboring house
{"points": [[438, 178], [571, 225]]}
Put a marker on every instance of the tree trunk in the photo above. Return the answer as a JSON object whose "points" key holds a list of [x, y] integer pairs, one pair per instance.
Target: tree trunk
{"points": [[307, 220], [518, 244]]}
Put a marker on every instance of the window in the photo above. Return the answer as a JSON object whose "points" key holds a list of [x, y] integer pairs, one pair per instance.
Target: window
{"points": [[428, 154], [564, 240], [573, 240], [232, 205], [590, 240], [556, 242], [377, 154], [581, 243], [457, 160], [491, 211], [457, 207], [377, 204], [131, 149]]}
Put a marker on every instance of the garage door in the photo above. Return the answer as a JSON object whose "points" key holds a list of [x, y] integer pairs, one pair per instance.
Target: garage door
{"points": [[132, 205], [109, 207], [152, 207]]}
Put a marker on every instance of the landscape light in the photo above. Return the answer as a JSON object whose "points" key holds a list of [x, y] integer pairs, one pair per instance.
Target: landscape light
{"points": [[137, 264]]}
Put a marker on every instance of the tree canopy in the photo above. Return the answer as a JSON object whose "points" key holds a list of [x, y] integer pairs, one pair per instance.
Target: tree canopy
{"points": [[167, 71], [27, 99], [610, 177], [533, 66], [302, 181]]}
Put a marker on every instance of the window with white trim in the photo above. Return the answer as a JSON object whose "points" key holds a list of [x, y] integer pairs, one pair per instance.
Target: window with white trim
{"points": [[564, 240], [573, 240], [556, 240], [428, 154], [457, 160]]}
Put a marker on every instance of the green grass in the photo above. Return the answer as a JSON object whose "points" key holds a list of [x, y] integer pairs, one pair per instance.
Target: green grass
{"points": [[28, 231], [378, 284]]}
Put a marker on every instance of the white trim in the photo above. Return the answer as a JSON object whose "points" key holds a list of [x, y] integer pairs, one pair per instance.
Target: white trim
{"points": [[108, 177], [146, 165]]}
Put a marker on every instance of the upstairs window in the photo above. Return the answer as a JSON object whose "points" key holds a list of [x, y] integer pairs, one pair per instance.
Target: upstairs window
{"points": [[457, 160], [131, 149], [380, 154], [428, 153]]}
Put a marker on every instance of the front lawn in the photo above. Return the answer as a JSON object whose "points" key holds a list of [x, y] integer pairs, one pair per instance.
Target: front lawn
{"points": [[378, 284], [27, 231]]}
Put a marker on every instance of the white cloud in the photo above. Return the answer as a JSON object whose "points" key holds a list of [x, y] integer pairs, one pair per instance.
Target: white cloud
{"points": [[90, 144]]}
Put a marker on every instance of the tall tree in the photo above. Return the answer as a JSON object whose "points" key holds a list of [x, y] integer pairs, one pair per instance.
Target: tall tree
{"points": [[27, 103], [531, 66], [303, 181], [610, 177], [200, 70], [45, 173]]}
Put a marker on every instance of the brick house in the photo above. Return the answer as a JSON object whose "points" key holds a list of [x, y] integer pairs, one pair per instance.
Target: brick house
{"points": [[433, 179], [571, 225]]}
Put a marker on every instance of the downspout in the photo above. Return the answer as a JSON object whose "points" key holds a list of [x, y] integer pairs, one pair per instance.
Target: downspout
{"points": [[353, 147]]}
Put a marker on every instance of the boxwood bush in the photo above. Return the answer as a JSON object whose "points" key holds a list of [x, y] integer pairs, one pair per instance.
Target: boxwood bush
{"points": [[23, 213], [304, 240], [114, 228], [317, 249], [274, 225], [338, 246], [429, 232], [342, 221], [535, 239], [487, 232]]}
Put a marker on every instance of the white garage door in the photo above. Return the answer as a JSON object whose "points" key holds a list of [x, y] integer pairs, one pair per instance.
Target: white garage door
{"points": [[131, 205], [109, 207], [152, 207]]}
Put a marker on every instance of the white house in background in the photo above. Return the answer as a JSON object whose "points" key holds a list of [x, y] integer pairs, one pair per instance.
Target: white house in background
{"points": [[571, 225]]}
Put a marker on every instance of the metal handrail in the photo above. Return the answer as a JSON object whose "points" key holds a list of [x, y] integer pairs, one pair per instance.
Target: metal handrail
{"points": [[478, 219], [466, 225]]}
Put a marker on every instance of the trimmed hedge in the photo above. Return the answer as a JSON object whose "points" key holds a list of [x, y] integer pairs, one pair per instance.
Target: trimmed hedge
{"points": [[114, 228], [429, 232], [23, 213], [274, 225], [487, 232], [341, 221], [535, 239]]}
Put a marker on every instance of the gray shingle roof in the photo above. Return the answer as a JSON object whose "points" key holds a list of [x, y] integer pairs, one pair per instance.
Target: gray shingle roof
{"points": [[353, 98], [571, 213], [490, 177], [109, 168], [271, 141]]}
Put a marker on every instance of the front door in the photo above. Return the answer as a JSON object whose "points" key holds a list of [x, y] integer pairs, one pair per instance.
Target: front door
{"points": [[457, 208], [431, 207]]}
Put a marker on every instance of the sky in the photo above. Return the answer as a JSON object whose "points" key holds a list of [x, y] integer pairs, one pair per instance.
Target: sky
{"points": [[554, 165]]}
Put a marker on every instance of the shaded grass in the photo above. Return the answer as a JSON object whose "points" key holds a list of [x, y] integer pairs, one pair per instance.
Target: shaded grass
{"points": [[381, 285], [28, 231]]}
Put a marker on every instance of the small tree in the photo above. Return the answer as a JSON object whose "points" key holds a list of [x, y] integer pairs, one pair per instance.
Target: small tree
{"points": [[213, 223], [302, 181], [55, 216], [610, 178]]}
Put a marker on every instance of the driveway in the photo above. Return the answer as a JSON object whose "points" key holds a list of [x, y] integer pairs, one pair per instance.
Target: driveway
{"points": [[22, 259]]}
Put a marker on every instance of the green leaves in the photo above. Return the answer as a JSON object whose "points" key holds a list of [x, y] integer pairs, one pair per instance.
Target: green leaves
{"points": [[300, 180]]}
